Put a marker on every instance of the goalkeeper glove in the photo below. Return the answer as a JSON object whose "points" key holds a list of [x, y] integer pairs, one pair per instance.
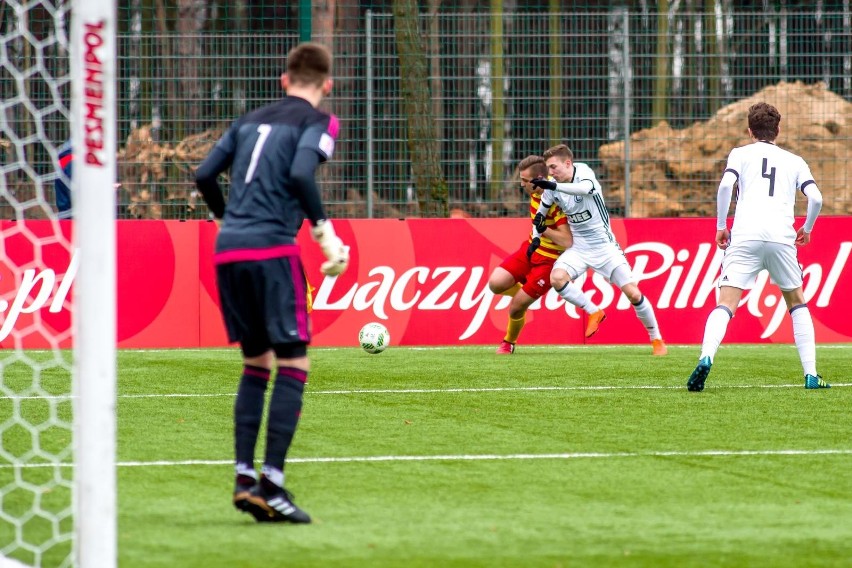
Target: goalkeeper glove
{"points": [[332, 247], [539, 223], [542, 183], [533, 247]]}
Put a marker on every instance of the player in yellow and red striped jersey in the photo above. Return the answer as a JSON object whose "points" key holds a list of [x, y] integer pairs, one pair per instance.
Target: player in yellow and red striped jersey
{"points": [[525, 274]]}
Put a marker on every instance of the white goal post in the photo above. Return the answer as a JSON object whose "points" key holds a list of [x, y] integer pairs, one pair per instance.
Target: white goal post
{"points": [[58, 427], [93, 141]]}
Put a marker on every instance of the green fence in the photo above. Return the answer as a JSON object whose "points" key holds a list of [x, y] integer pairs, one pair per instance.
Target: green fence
{"points": [[498, 85]]}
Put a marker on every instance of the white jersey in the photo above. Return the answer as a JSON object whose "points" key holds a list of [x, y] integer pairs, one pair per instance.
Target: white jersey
{"points": [[768, 178], [587, 213]]}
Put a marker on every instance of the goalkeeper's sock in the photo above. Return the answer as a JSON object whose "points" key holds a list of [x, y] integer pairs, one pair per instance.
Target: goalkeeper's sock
{"points": [[285, 407], [248, 412], [513, 290], [714, 331], [513, 330], [246, 476], [272, 480], [245, 470], [245, 483], [803, 335], [645, 313], [575, 295]]}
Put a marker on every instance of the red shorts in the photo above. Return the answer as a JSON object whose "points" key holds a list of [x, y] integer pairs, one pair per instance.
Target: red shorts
{"points": [[533, 273]]}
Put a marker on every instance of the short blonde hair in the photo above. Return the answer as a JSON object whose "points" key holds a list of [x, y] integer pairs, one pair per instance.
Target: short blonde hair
{"points": [[536, 163], [559, 151]]}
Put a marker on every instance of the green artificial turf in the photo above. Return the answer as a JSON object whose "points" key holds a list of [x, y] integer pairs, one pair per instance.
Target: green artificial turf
{"points": [[553, 456]]}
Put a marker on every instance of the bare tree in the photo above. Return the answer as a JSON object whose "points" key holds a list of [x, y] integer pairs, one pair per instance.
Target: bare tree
{"points": [[165, 89], [425, 156], [192, 15], [435, 68], [134, 63], [619, 71], [661, 64], [240, 25], [348, 165], [463, 148], [555, 85], [714, 68], [847, 49], [322, 21], [498, 102]]}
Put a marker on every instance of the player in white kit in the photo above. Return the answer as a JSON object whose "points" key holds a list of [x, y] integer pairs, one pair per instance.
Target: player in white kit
{"points": [[579, 195], [763, 237]]}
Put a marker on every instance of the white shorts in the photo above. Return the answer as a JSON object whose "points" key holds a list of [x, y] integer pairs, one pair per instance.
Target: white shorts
{"points": [[743, 261], [603, 259]]}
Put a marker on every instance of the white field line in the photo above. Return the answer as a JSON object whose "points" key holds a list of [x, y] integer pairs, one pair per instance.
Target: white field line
{"points": [[478, 457], [445, 390]]}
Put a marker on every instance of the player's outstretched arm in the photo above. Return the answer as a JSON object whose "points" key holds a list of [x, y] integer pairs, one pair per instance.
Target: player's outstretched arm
{"points": [[723, 203], [303, 176], [582, 187], [812, 192]]}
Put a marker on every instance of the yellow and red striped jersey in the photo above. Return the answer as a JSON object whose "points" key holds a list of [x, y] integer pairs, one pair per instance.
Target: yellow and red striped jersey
{"points": [[555, 218]]}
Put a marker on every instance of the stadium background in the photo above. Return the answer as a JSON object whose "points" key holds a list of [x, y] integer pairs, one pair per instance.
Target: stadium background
{"points": [[439, 101], [607, 461]]}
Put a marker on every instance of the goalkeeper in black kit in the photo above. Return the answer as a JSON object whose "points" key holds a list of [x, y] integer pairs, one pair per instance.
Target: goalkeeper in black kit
{"points": [[273, 153]]}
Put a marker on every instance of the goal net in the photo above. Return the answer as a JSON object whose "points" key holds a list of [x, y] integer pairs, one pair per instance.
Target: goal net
{"points": [[57, 284]]}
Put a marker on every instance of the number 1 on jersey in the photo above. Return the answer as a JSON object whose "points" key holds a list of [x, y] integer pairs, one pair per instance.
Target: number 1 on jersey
{"points": [[265, 129], [770, 175]]}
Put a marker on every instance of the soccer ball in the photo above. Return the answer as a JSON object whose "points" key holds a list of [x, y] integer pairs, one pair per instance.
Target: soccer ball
{"points": [[374, 338]]}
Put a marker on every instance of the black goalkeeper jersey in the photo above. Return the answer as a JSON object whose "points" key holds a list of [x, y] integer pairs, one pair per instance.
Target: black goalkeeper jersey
{"points": [[264, 207]]}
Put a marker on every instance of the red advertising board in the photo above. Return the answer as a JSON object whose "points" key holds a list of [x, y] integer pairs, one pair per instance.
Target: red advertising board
{"points": [[425, 279]]}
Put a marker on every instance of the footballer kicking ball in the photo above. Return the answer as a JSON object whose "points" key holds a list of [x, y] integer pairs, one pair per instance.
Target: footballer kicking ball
{"points": [[374, 338]]}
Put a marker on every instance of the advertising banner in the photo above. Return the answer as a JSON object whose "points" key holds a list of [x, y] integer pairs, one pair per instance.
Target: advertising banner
{"points": [[425, 279]]}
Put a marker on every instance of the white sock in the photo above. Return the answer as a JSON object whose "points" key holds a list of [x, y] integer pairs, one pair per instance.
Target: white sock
{"points": [[574, 294], [245, 469], [803, 334], [714, 331], [645, 313], [273, 474]]}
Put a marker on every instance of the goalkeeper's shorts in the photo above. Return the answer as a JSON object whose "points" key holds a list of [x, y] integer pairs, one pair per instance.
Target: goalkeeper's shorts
{"points": [[265, 302]]}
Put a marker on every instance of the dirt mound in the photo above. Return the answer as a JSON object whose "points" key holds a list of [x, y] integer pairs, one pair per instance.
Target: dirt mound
{"points": [[677, 172]]}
